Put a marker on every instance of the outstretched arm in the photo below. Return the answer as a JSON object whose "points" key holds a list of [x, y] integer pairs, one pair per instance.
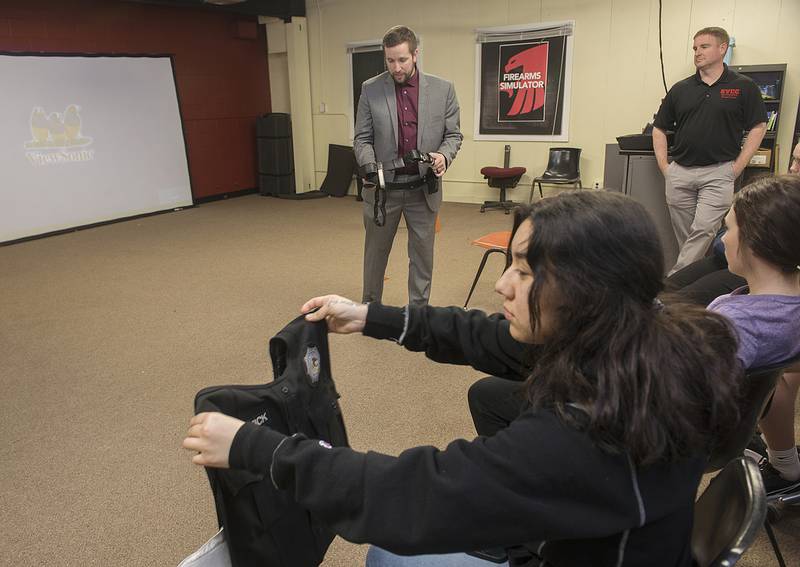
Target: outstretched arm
{"points": [[343, 315], [501, 490], [445, 334]]}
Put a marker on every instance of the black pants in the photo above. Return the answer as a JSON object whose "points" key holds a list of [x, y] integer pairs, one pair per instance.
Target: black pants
{"points": [[703, 281], [494, 403]]}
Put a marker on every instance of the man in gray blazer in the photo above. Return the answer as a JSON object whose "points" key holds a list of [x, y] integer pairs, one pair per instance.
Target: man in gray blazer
{"points": [[403, 109]]}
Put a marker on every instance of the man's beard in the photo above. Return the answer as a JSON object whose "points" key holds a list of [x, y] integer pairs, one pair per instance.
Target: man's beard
{"points": [[404, 79]]}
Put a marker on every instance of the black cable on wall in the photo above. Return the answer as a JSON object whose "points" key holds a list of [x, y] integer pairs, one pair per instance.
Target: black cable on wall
{"points": [[660, 51]]}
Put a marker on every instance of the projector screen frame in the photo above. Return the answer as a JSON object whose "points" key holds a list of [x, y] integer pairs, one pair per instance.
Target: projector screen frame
{"points": [[171, 58]]}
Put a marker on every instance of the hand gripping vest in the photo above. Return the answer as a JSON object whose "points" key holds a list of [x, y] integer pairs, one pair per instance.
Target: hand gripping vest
{"points": [[264, 527]]}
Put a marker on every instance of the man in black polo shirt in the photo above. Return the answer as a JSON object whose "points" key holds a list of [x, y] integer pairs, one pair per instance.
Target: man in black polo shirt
{"points": [[709, 112]]}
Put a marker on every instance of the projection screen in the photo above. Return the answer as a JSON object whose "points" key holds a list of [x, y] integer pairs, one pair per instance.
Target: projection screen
{"points": [[87, 139]]}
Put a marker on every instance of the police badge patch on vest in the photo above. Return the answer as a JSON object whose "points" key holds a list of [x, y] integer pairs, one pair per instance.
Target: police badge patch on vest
{"points": [[312, 362], [264, 527]]}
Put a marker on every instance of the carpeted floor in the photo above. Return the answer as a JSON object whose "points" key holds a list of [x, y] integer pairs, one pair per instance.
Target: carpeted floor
{"points": [[107, 333]]}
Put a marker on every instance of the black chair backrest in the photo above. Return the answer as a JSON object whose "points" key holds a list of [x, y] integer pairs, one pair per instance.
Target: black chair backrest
{"points": [[728, 514], [564, 162], [755, 394]]}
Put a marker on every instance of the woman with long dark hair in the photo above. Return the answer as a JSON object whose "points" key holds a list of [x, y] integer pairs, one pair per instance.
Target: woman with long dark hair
{"points": [[625, 400], [762, 245]]}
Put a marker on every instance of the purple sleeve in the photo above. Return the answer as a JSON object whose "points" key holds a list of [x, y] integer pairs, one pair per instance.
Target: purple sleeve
{"points": [[742, 322]]}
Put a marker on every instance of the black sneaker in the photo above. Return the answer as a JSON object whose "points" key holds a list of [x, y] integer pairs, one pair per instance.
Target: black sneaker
{"points": [[774, 483]]}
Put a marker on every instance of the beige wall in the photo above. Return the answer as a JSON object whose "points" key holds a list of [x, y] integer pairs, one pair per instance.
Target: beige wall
{"points": [[278, 63], [616, 76]]}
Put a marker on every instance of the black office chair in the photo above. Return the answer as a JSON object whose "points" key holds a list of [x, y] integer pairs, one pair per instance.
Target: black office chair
{"points": [[728, 514], [563, 168], [756, 393], [778, 501]]}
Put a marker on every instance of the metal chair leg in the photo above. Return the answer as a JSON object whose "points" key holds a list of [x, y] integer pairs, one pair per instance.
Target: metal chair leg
{"points": [[774, 542], [533, 186], [480, 270]]}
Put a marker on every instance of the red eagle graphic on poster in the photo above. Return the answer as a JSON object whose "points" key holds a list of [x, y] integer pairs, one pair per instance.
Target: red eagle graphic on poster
{"points": [[523, 82]]}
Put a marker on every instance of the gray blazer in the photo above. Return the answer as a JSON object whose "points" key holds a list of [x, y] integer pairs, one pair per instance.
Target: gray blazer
{"points": [[438, 121]]}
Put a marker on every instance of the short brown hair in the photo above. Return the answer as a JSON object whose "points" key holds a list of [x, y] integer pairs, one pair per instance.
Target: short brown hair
{"points": [[719, 33], [400, 34]]}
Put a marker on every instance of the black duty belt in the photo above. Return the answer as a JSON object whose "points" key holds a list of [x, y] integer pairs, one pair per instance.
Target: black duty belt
{"points": [[407, 185], [382, 186]]}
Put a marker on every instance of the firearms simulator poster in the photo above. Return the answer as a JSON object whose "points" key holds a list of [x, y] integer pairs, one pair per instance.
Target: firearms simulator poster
{"points": [[523, 89]]}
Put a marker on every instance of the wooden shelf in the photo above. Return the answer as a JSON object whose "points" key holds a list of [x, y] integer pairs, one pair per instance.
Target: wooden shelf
{"points": [[766, 76]]}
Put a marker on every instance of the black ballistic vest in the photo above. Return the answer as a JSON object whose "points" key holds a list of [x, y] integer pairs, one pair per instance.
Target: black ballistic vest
{"points": [[264, 527]]}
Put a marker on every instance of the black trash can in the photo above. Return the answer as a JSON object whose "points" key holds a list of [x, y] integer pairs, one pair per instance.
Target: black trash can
{"points": [[275, 155]]}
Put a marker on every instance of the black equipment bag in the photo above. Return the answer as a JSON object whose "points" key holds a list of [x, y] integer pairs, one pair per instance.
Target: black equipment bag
{"points": [[265, 527]]}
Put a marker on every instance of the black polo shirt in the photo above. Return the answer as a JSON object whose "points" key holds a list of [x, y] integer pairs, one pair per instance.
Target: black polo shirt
{"points": [[709, 120]]}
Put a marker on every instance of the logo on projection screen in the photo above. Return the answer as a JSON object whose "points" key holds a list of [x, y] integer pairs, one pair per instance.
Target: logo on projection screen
{"points": [[57, 137]]}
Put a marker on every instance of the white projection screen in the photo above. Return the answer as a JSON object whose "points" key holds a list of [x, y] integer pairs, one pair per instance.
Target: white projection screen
{"points": [[87, 139]]}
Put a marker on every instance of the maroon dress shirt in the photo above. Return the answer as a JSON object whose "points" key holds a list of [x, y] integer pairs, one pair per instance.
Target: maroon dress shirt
{"points": [[407, 96]]}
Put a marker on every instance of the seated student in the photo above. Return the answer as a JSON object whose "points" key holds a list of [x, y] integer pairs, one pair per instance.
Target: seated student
{"points": [[762, 245], [708, 278], [603, 464]]}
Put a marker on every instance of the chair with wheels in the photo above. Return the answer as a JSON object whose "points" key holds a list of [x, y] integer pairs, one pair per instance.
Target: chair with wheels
{"points": [[728, 514], [492, 242], [563, 168], [502, 178]]}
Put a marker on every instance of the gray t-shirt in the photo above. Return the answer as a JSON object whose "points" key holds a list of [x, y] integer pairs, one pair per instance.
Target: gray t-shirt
{"points": [[768, 326]]}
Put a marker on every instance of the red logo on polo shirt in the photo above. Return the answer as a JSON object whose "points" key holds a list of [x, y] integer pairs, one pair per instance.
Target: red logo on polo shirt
{"points": [[729, 93]]}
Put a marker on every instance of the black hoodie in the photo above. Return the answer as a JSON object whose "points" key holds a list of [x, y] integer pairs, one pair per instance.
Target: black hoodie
{"points": [[537, 480]]}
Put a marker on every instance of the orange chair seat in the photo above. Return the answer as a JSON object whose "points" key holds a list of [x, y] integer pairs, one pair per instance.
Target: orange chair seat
{"points": [[494, 240]]}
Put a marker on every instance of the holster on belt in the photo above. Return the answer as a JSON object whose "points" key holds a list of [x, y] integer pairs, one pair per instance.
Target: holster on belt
{"points": [[432, 181]]}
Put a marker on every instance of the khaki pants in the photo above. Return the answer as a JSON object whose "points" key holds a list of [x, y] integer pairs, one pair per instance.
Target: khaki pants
{"points": [[698, 198]]}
